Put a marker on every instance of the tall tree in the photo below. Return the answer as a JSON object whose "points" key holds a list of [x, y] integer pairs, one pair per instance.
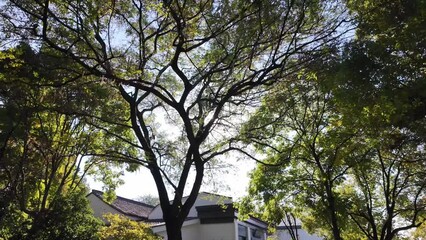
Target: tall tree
{"points": [[388, 197], [308, 155], [386, 62], [193, 63], [387, 87], [46, 149], [346, 179], [376, 87]]}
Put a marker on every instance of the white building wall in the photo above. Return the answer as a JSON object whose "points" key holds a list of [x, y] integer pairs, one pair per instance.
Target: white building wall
{"points": [[217, 231], [193, 230], [99, 207]]}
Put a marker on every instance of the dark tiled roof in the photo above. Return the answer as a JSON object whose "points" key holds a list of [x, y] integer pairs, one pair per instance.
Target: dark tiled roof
{"points": [[200, 193], [128, 206]]}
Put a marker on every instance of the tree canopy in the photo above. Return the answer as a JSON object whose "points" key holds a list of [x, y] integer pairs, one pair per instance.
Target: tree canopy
{"points": [[48, 144], [122, 228], [167, 85], [347, 134], [197, 65]]}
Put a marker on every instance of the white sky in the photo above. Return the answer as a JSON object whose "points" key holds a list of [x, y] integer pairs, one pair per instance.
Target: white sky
{"points": [[141, 183], [232, 182]]}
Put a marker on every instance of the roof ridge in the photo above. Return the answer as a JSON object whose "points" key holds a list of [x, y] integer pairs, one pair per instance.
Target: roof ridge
{"points": [[136, 202], [215, 194], [203, 192], [127, 199], [96, 192]]}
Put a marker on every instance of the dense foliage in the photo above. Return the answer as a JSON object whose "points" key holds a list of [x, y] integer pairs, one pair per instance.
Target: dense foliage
{"points": [[167, 85], [69, 217], [48, 145], [347, 149], [122, 228], [192, 65]]}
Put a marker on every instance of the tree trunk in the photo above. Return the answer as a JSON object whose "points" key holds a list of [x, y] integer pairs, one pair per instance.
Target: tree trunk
{"points": [[333, 215], [174, 229]]}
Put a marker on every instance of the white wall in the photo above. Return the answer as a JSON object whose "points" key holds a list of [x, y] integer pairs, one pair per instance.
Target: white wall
{"points": [[193, 230], [100, 208], [217, 231]]}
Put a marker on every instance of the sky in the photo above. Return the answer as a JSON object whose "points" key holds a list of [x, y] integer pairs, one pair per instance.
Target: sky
{"points": [[233, 184], [231, 181]]}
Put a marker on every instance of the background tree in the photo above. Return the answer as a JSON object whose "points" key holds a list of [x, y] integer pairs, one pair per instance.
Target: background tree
{"points": [[376, 88], [388, 197], [386, 62], [309, 155], [47, 150], [420, 232], [149, 199], [342, 180], [386, 87], [195, 64]]}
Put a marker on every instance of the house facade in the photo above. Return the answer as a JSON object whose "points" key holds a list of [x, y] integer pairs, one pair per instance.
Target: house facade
{"points": [[213, 217]]}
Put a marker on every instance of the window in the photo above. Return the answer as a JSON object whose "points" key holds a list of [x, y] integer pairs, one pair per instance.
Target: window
{"points": [[242, 232], [257, 234]]}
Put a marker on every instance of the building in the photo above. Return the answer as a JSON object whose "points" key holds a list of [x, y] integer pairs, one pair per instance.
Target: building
{"points": [[212, 217], [126, 207]]}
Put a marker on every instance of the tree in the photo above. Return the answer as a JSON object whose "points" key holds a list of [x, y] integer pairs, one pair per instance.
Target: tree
{"points": [[307, 156], [420, 232], [386, 62], [122, 228], [70, 217], [149, 199], [389, 195], [290, 222], [375, 89], [44, 146], [386, 65], [344, 180], [195, 64]]}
